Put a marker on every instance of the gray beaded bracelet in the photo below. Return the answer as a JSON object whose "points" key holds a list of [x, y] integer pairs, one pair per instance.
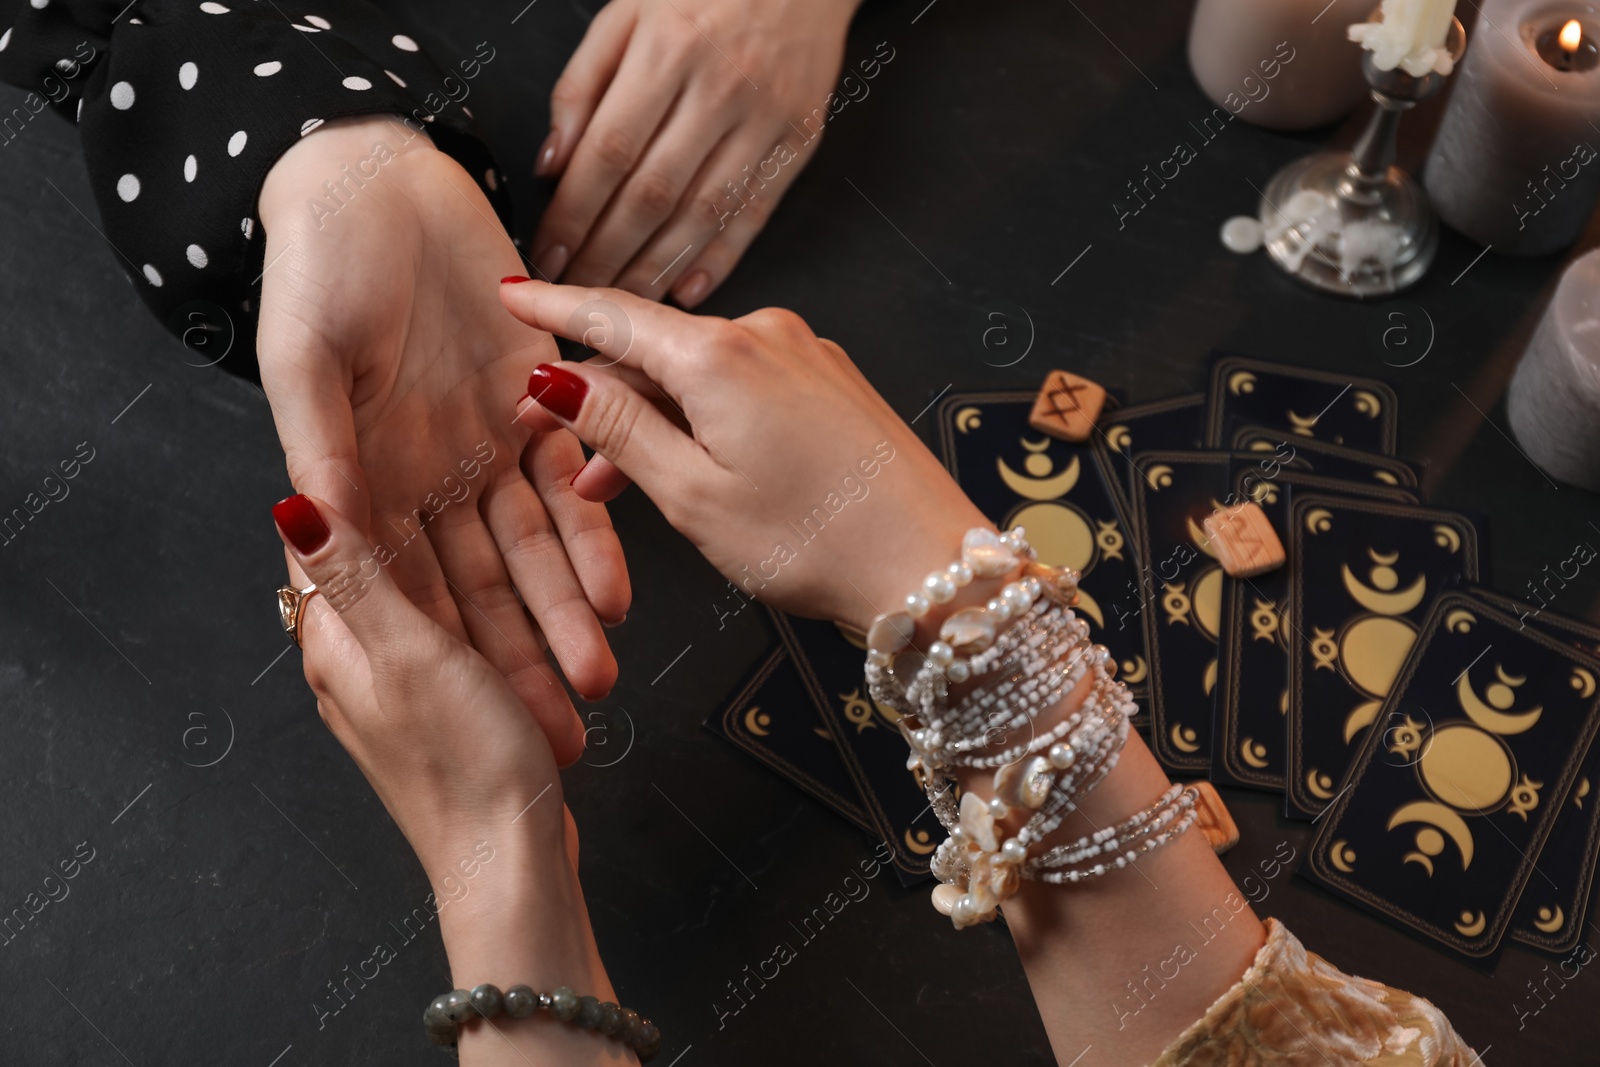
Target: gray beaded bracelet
{"points": [[446, 1014]]}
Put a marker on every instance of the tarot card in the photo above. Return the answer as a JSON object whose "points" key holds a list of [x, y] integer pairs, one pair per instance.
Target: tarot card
{"points": [[1172, 425], [1250, 730], [773, 719], [1344, 409], [1363, 575], [1486, 729], [1063, 495]]}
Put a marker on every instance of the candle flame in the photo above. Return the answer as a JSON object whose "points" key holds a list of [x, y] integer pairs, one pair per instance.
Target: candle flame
{"points": [[1571, 36]]}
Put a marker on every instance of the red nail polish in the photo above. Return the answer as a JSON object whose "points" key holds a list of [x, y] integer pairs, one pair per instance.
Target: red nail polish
{"points": [[558, 390], [301, 523], [512, 279]]}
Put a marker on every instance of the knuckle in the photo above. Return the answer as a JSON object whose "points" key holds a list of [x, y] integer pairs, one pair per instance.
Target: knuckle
{"points": [[612, 422], [569, 91], [775, 320], [656, 194], [345, 589], [614, 149]]}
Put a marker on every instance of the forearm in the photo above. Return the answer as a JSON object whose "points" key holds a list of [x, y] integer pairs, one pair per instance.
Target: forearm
{"points": [[1125, 962], [528, 926]]}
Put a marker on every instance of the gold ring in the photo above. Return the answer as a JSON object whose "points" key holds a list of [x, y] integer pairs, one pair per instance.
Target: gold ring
{"points": [[292, 609]]}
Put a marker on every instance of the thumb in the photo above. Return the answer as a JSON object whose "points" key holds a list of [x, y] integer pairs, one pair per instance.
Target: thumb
{"points": [[311, 406], [612, 418], [350, 576]]}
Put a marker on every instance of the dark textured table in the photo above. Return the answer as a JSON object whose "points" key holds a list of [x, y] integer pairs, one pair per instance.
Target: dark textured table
{"points": [[152, 717]]}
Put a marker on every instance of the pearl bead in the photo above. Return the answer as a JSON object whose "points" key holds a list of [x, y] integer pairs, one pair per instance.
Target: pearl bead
{"points": [[1013, 598], [999, 808], [1061, 756], [958, 671], [999, 609], [939, 588], [1014, 851], [941, 653], [963, 911], [916, 605], [960, 573]]}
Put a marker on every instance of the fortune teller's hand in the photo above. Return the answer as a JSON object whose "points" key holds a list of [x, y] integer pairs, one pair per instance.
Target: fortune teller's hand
{"points": [[467, 775], [392, 373], [798, 482], [663, 105]]}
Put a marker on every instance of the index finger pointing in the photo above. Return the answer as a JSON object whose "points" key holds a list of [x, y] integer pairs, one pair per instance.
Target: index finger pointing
{"points": [[618, 325]]}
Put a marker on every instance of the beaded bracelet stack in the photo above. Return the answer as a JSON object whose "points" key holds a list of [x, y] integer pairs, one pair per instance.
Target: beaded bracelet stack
{"points": [[1027, 652], [444, 1016]]}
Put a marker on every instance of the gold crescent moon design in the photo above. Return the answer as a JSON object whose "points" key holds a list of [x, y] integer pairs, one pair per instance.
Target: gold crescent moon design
{"points": [[1386, 477], [1086, 605], [1496, 722], [1367, 403], [1210, 679], [967, 420], [1241, 382], [1470, 926], [1197, 536], [1134, 670], [1550, 920], [1039, 488], [1579, 793], [920, 844], [1397, 603], [1319, 520], [1041, 445], [1119, 437], [1183, 738], [1421, 859], [1302, 423], [1360, 718], [754, 721], [1253, 752], [1583, 681], [1446, 537], [820, 732], [852, 635], [1320, 784], [1440, 817], [1159, 476], [1260, 446], [1342, 855], [1460, 621]]}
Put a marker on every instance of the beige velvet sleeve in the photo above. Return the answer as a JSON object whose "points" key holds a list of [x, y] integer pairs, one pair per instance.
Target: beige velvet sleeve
{"points": [[1294, 1007]]}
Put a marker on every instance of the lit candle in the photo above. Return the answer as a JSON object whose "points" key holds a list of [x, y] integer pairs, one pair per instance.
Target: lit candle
{"points": [[1410, 36], [1514, 164]]}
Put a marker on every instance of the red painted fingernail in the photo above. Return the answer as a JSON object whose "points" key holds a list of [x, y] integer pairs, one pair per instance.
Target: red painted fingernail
{"points": [[512, 279], [558, 390], [301, 523]]}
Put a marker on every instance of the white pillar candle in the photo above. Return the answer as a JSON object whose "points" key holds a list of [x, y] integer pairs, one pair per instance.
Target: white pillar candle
{"points": [[1514, 163], [1554, 399], [1411, 36]]}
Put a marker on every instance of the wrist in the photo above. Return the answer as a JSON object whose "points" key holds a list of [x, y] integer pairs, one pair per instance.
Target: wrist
{"points": [[326, 155]]}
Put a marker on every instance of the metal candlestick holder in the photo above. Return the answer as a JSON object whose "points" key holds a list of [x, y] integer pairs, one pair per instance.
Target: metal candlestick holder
{"points": [[1352, 223]]}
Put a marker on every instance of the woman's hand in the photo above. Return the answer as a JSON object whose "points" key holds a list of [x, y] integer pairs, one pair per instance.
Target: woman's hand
{"points": [[466, 773], [667, 107], [798, 482], [388, 364]]}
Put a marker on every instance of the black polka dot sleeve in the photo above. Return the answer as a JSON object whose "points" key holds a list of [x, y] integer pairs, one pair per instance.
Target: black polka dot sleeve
{"points": [[184, 106]]}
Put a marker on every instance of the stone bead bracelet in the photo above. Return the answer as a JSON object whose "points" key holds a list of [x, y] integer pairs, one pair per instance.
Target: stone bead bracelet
{"points": [[444, 1016]]}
